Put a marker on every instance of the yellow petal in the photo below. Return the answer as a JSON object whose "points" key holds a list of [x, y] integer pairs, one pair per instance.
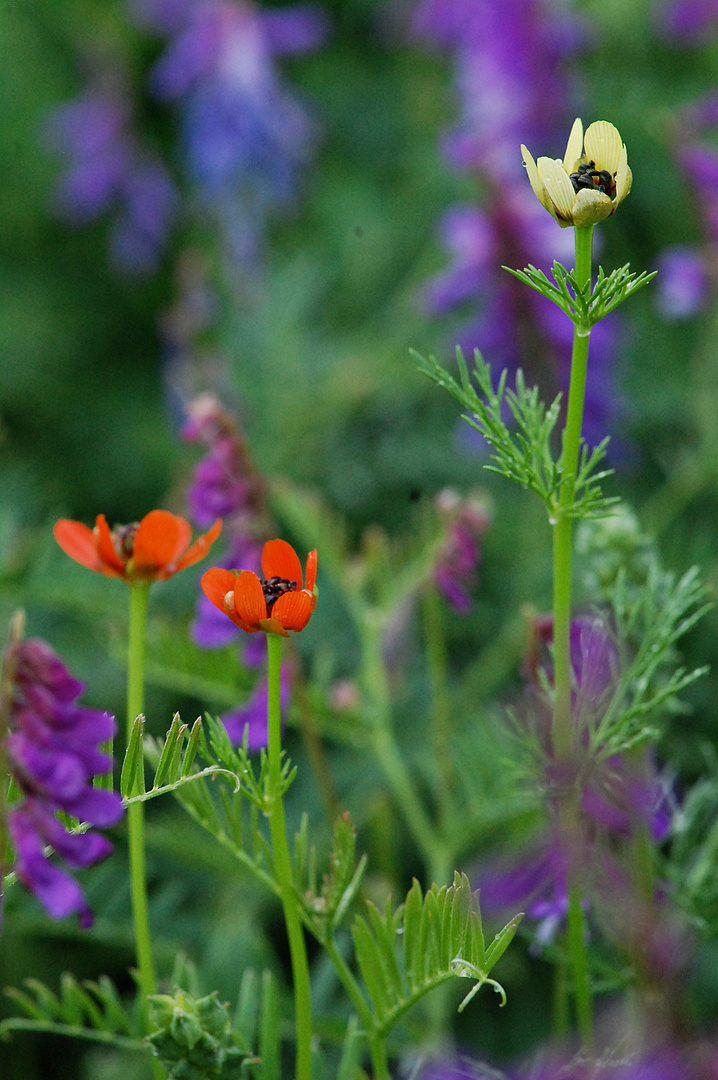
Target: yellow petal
{"points": [[574, 147], [624, 178], [591, 206], [535, 180], [558, 187], [603, 145]]}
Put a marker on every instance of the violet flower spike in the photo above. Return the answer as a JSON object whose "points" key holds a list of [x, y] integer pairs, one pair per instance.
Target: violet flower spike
{"points": [[52, 748]]}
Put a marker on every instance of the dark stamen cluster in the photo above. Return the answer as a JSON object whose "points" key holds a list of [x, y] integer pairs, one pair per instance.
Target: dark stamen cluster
{"points": [[123, 537], [275, 587], [588, 176]]}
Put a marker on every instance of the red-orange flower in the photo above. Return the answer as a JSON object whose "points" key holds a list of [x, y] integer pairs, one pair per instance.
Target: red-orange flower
{"points": [[152, 550], [275, 603]]}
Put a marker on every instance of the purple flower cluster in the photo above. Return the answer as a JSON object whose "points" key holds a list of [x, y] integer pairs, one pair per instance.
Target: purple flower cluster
{"points": [[107, 169], [687, 272], [507, 56], [617, 798], [688, 21], [466, 523], [226, 483], [52, 747], [245, 137]]}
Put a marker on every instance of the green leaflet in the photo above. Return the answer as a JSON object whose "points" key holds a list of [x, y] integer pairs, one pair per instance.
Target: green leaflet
{"points": [[441, 938]]}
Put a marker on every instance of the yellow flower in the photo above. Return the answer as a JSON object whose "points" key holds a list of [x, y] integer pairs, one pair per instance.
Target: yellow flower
{"points": [[590, 182]]}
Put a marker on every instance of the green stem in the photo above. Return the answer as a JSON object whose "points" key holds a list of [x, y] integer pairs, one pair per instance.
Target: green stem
{"points": [[431, 846], [376, 1041], [563, 528], [139, 593], [283, 864], [563, 731], [579, 964], [438, 664]]}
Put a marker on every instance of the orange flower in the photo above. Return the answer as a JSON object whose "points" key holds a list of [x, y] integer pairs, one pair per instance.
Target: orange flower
{"points": [[275, 603], [152, 550]]}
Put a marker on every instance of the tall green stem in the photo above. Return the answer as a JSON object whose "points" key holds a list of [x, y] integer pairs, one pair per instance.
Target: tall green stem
{"points": [[283, 864], [135, 812], [563, 732], [432, 847], [563, 529]]}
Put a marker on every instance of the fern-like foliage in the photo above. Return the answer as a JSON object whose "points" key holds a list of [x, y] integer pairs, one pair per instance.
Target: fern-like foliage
{"points": [[326, 904], [87, 1010], [523, 452], [441, 937], [584, 306], [174, 762]]}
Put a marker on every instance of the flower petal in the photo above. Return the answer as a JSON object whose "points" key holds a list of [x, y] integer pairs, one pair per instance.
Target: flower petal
{"points": [[311, 571], [216, 583], [535, 180], [558, 187], [78, 541], [294, 609], [111, 561], [603, 145], [574, 147], [197, 551], [624, 178], [250, 605], [279, 559], [161, 538]]}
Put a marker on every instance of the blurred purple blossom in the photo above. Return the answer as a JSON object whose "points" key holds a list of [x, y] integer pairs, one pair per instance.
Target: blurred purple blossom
{"points": [[53, 751], [246, 137], [688, 21], [106, 169], [466, 522], [226, 479]]}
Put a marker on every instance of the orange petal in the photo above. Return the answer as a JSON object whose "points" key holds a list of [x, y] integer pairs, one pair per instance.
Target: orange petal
{"points": [[249, 601], [78, 541], [161, 538], [198, 550], [112, 562], [311, 571], [216, 583], [279, 559], [294, 609]]}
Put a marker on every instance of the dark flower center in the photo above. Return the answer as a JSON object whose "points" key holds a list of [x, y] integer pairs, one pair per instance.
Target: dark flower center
{"points": [[275, 587], [123, 537], [588, 176]]}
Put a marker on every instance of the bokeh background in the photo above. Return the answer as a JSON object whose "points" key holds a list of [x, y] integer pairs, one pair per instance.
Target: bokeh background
{"points": [[276, 203]]}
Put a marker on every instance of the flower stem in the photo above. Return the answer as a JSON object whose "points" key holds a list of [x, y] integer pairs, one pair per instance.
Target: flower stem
{"points": [[135, 812], [563, 731], [437, 664], [433, 848], [563, 529], [283, 864]]}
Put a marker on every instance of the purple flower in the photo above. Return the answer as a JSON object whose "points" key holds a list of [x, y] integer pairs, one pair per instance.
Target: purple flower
{"points": [[689, 21], [52, 747], [246, 138], [226, 483], [253, 714], [682, 282], [108, 170], [458, 558]]}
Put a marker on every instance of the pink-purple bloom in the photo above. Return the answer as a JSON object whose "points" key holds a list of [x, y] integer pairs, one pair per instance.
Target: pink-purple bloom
{"points": [[466, 522], [53, 749], [246, 138], [107, 169]]}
